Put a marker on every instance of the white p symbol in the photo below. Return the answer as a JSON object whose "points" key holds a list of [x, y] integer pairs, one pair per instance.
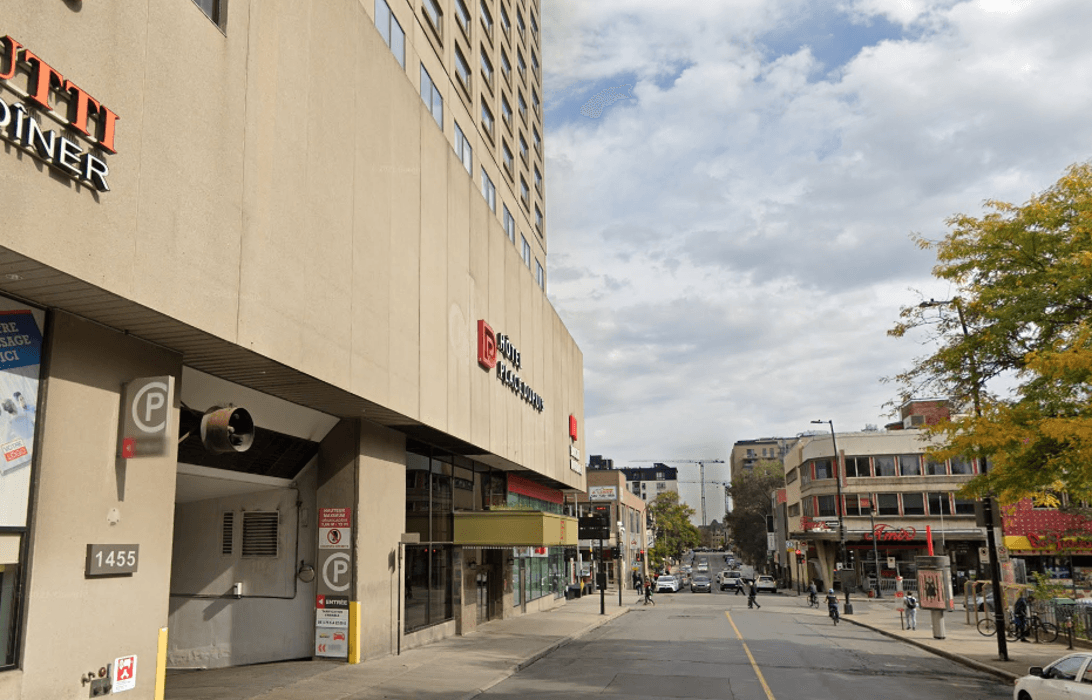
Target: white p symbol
{"points": [[155, 401]]}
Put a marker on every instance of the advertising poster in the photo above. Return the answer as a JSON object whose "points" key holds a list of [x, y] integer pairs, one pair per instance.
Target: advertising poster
{"points": [[20, 362]]}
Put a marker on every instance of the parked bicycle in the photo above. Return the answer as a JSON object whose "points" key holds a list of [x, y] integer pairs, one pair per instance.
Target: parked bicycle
{"points": [[1039, 630], [987, 627]]}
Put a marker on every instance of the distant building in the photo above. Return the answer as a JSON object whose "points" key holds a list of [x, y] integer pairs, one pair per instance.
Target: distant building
{"points": [[747, 453], [650, 482], [598, 462]]}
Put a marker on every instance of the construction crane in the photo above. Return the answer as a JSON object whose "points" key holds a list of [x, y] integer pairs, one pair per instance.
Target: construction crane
{"points": [[701, 463]]}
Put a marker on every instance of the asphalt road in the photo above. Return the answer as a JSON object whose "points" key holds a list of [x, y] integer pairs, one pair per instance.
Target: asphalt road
{"points": [[704, 646]]}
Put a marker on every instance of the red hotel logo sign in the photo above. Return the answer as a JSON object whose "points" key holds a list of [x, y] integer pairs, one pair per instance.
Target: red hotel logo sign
{"points": [[18, 123], [491, 344], [886, 533]]}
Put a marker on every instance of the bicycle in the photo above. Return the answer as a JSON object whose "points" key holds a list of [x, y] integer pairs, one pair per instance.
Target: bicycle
{"points": [[813, 600], [987, 626], [832, 610], [1045, 632]]}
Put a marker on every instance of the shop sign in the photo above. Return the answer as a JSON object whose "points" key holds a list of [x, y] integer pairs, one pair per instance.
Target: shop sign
{"points": [[886, 533], [602, 493], [19, 125], [491, 344], [1052, 542]]}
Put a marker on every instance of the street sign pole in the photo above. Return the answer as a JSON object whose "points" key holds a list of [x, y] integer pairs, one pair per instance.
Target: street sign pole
{"points": [[601, 579]]}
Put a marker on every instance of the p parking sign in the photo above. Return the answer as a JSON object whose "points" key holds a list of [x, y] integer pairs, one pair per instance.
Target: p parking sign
{"points": [[145, 417]]}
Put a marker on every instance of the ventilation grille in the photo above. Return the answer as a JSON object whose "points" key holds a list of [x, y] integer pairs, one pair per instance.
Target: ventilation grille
{"points": [[260, 534], [227, 544]]}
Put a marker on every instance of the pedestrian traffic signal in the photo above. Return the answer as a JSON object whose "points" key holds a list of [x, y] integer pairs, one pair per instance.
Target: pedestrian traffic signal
{"points": [[799, 556]]}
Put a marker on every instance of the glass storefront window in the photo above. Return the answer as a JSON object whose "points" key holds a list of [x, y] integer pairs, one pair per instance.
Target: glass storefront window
{"points": [[428, 582]]}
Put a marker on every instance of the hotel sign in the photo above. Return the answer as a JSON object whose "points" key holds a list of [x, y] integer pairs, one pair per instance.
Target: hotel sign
{"points": [[490, 345], [46, 90]]}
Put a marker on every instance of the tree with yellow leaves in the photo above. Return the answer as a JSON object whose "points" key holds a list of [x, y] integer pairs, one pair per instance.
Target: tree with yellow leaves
{"points": [[1023, 312]]}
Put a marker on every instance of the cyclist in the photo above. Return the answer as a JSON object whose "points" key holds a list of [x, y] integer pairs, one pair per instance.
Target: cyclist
{"points": [[832, 605], [1020, 617], [813, 595]]}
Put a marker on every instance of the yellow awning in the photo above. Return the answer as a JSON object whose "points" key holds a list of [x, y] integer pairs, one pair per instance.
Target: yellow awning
{"points": [[515, 528]]}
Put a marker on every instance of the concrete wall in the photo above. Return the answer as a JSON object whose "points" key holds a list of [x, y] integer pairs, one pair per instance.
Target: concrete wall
{"points": [[74, 624], [283, 187], [274, 619]]}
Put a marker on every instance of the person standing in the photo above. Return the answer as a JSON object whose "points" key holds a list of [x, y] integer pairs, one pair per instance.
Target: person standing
{"points": [[1019, 615], [637, 581], [911, 611], [751, 595]]}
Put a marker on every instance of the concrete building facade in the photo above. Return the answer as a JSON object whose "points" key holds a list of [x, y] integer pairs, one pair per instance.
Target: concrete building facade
{"points": [[314, 225]]}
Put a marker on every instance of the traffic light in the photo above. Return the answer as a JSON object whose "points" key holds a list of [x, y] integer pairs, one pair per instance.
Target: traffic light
{"points": [[799, 557], [640, 555]]}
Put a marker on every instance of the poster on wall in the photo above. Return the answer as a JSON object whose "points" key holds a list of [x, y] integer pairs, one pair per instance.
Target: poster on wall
{"points": [[20, 364]]}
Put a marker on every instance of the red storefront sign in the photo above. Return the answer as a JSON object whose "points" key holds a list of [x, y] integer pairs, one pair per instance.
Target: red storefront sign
{"points": [[885, 533]]}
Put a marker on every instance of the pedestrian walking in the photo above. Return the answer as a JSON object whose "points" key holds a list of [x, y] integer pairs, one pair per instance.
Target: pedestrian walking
{"points": [[911, 611], [648, 591], [637, 581], [751, 595]]}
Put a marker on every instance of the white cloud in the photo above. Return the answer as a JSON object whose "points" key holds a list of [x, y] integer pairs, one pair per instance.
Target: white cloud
{"points": [[730, 245]]}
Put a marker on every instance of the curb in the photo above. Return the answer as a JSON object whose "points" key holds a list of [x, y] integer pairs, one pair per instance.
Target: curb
{"points": [[959, 659], [524, 663]]}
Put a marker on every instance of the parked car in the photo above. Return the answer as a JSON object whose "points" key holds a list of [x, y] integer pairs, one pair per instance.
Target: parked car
{"points": [[667, 582], [701, 583], [1068, 677], [703, 568], [765, 583]]}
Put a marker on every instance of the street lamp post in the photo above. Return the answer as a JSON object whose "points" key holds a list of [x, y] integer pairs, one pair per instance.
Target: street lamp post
{"points": [[838, 507], [987, 504], [875, 547]]}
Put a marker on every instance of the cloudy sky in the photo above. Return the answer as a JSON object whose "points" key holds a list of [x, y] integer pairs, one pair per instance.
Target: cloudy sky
{"points": [[730, 225]]}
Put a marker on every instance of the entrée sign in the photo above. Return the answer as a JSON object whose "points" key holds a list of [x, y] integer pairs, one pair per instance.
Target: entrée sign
{"points": [[18, 125], [489, 344]]}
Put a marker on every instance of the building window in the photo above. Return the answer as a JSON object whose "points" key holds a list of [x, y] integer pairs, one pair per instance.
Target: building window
{"points": [[826, 506], [521, 64], [463, 150], [534, 101], [961, 465], [534, 61], [489, 191], [391, 31], [506, 112], [487, 118], [887, 503], [540, 275], [213, 9], [791, 476], [430, 95], [659, 476], [487, 68], [940, 504], [520, 25], [538, 139], [509, 224], [463, 15], [913, 504], [935, 468], [487, 18], [524, 193], [534, 24], [509, 163], [523, 148], [964, 506], [538, 180], [856, 505], [857, 466], [506, 24], [909, 465], [526, 252], [506, 66], [538, 219], [435, 16], [462, 69], [823, 469], [885, 466], [794, 510], [429, 581], [522, 106]]}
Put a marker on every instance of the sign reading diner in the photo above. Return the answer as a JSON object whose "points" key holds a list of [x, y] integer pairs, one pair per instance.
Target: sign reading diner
{"points": [[47, 90]]}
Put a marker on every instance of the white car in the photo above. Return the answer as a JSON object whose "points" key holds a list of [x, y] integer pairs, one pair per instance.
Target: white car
{"points": [[765, 583], [1068, 677], [667, 582]]}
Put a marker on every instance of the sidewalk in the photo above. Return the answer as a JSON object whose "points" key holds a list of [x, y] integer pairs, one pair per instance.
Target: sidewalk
{"points": [[457, 668], [962, 643]]}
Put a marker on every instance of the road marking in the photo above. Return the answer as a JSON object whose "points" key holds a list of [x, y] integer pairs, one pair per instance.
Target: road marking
{"points": [[750, 656]]}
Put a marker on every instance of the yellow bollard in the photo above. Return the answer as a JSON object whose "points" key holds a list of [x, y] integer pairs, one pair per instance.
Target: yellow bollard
{"points": [[354, 632]]}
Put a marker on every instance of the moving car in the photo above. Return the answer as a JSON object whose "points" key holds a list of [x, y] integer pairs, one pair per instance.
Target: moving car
{"points": [[729, 581], [701, 583], [765, 583], [667, 582], [1068, 677]]}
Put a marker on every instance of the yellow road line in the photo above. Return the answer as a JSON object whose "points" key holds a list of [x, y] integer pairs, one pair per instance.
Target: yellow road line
{"points": [[750, 656]]}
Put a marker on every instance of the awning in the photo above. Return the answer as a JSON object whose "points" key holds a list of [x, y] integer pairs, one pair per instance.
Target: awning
{"points": [[515, 528], [1051, 543]]}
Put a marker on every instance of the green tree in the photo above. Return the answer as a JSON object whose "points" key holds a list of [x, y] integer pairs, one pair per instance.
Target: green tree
{"points": [[750, 492], [1023, 312], [674, 532]]}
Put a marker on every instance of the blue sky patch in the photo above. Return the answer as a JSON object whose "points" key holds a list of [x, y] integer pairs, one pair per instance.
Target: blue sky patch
{"points": [[834, 37]]}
